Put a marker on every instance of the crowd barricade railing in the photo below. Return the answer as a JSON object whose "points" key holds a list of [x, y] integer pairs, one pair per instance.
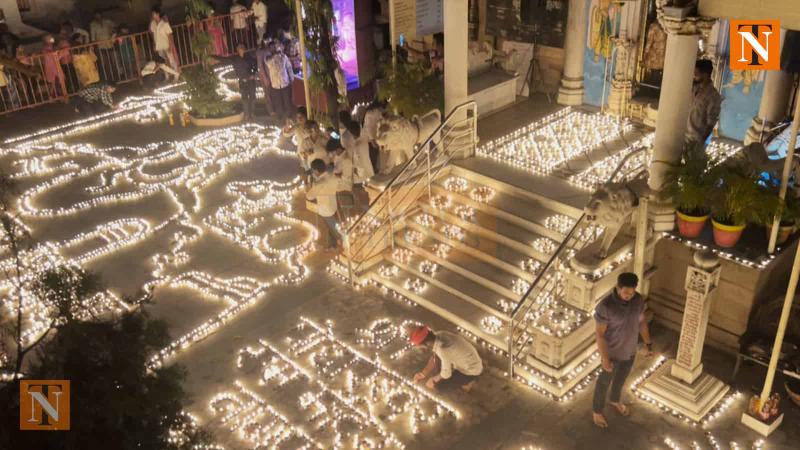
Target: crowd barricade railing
{"points": [[55, 76]]}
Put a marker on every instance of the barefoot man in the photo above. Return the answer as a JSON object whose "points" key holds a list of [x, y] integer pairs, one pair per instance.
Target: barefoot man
{"points": [[453, 356], [620, 319]]}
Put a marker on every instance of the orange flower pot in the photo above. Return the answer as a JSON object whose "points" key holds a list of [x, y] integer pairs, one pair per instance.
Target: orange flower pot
{"points": [[690, 226], [726, 236]]}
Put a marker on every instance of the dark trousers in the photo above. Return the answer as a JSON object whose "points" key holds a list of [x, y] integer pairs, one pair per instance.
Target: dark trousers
{"points": [[282, 101], [333, 233], [89, 108], [247, 89], [616, 378], [457, 379]]}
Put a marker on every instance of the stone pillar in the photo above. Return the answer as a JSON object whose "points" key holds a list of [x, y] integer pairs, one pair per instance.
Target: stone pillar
{"points": [[673, 104], [625, 59], [456, 43], [681, 384], [571, 90], [701, 282], [774, 102]]}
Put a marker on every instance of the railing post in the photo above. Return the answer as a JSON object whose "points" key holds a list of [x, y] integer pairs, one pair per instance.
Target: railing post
{"points": [[511, 349], [428, 154], [391, 218], [349, 257], [136, 59]]}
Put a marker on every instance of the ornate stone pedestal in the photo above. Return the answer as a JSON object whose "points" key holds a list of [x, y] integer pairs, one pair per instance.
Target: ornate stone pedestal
{"points": [[588, 279], [680, 384]]}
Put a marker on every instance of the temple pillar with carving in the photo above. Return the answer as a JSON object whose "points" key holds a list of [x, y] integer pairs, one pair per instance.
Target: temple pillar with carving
{"points": [[680, 384], [570, 92], [625, 60], [774, 103]]}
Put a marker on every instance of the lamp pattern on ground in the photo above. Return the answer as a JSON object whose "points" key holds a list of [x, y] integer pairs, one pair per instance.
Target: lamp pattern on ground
{"points": [[96, 181], [317, 391], [547, 144]]}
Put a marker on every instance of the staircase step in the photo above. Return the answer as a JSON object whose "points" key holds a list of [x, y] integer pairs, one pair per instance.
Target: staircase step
{"points": [[487, 226], [443, 303], [523, 213], [456, 284], [500, 256], [465, 265], [551, 191]]}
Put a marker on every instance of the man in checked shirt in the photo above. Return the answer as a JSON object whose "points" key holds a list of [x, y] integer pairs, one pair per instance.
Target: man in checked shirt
{"points": [[95, 98]]}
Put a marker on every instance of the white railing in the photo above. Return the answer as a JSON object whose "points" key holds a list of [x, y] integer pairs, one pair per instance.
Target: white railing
{"points": [[373, 231]]}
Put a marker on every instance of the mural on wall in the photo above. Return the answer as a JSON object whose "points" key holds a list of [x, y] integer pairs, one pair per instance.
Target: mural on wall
{"points": [[345, 28], [741, 90], [603, 23]]}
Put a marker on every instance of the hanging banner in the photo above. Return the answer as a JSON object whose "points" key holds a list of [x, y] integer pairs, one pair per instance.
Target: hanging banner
{"points": [[429, 17]]}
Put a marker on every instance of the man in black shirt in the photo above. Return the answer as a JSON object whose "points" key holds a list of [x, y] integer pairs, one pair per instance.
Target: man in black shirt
{"points": [[244, 67]]}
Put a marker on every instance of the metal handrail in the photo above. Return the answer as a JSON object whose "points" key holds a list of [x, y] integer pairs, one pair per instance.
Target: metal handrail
{"points": [[523, 301], [411, 171]]}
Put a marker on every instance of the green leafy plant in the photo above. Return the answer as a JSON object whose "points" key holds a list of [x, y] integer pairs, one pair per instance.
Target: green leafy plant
{"points": [[201, 93], [689, 183], [321, 44], [202, 83], [739, 198], [411, 90]]}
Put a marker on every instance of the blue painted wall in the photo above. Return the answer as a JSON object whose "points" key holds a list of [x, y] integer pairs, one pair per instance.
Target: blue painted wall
{"points": [[595, 75], [741, 92]]}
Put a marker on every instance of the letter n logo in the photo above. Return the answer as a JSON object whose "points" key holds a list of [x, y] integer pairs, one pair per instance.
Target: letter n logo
{"points": [[755, 45], [44, 405]]}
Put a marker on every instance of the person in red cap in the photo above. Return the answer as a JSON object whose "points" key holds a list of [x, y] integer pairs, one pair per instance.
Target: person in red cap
{"points": [[456, 360]]}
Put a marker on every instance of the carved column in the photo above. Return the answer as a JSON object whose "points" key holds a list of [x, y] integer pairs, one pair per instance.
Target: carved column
{"points": [[680, 384], [625, 60], [571, 90]]}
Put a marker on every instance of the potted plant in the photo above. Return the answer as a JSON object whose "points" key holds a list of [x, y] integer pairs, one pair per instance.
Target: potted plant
{"points": [[206, 105], [738, 198], [789, 211], [687, 186]]}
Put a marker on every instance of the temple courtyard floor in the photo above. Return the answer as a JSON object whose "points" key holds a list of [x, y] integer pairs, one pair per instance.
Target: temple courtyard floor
{"points": [[277, 350]]}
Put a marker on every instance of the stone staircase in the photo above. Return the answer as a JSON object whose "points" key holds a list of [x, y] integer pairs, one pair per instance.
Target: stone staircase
{"points": [[470, 250]]}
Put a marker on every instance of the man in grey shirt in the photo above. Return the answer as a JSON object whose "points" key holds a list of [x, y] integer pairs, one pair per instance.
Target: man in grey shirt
{"points": [[706, 104], [620, 320]]}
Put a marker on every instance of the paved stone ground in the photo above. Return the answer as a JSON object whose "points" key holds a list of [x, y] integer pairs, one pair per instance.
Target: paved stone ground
{"points": [[499, 415]]}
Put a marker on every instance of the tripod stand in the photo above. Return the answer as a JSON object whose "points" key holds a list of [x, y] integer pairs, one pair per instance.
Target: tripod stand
{"points": [[533, 75]]}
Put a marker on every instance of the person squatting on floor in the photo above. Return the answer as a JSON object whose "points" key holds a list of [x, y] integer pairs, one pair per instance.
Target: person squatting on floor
{"points": [[620, 319], [455, 358], [94, 99], [323, 193], [244, 67]]}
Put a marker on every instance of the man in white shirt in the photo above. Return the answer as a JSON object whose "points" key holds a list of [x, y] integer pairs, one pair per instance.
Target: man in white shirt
{"points": [[259, 11], [162, 38], [314, 145], [457, 361], [239, 15], [324, 193], [102, 32], [280, 78], [342, 165]]}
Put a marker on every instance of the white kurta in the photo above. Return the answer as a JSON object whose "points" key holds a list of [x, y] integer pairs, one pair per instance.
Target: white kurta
{"points": [[359, 148], [343, 169]]}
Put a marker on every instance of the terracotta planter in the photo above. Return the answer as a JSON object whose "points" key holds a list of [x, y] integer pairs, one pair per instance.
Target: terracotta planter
{"points": [[726, 236], [784, 232], [690, 226], [217, 121]]}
